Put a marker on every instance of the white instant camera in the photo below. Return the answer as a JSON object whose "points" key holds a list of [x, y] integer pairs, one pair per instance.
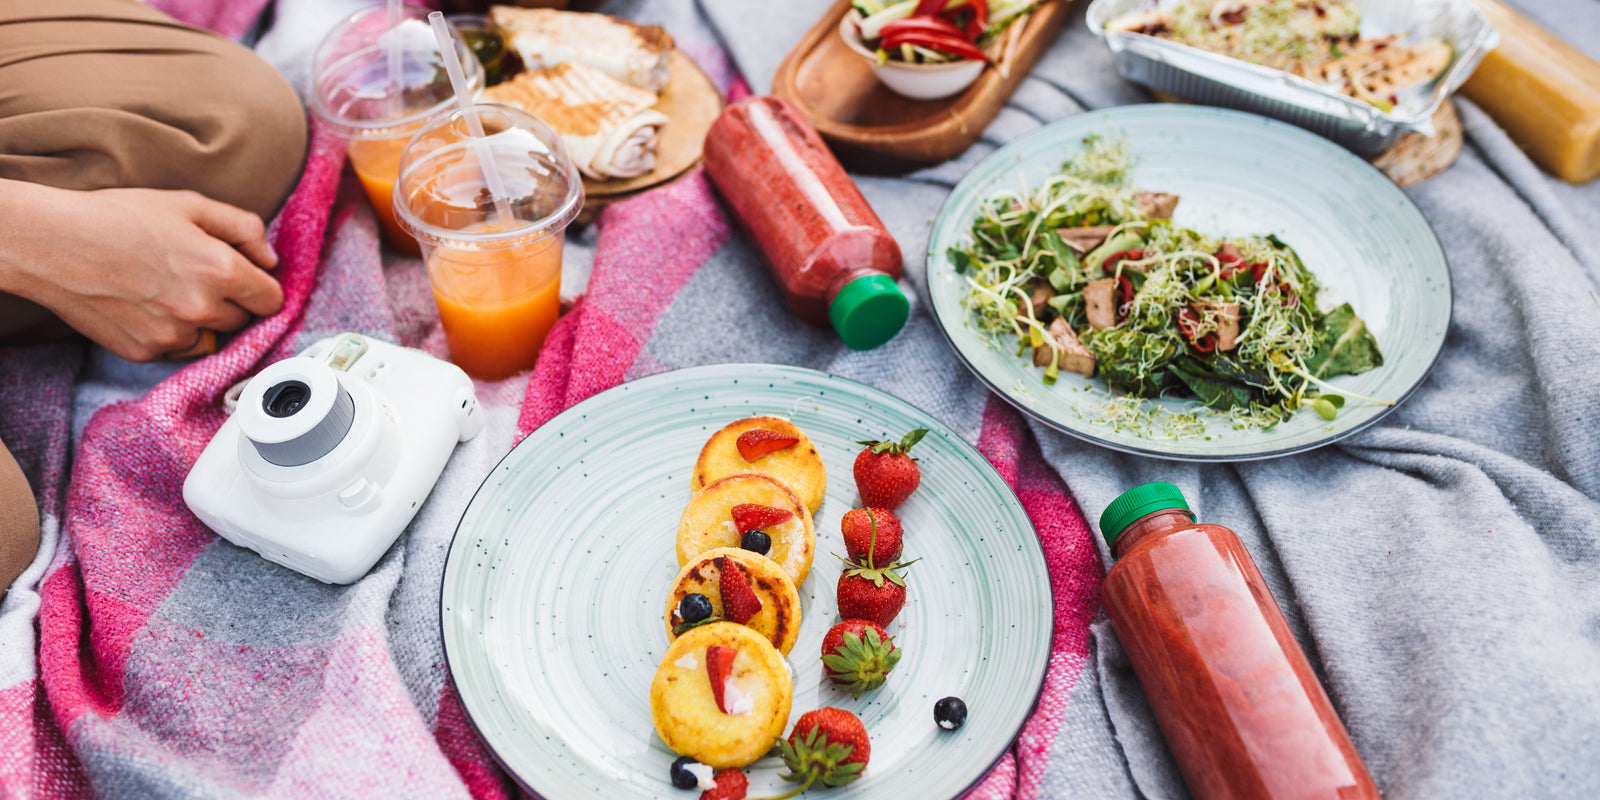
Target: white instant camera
{"points": [[328, 454]]}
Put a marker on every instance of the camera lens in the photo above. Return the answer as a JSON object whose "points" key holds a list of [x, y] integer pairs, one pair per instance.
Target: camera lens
{"points": [[285, 399]]}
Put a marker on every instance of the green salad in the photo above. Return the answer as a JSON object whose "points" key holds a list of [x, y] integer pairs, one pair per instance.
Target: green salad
{"points": [[1088, 274]]}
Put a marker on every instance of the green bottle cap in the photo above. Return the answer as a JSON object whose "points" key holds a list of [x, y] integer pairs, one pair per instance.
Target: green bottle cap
{"points": [[1138, 502], [869, 311]]}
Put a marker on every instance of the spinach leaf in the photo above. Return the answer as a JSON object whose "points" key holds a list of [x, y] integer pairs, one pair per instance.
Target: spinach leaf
{"points": [[1066, 273], [1212, 388], [1070, 306], [1344, 345], [961, 260]]}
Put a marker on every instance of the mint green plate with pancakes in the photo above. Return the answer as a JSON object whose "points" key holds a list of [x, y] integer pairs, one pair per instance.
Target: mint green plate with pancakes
{"points": [[1237, 174], [558, 574]]}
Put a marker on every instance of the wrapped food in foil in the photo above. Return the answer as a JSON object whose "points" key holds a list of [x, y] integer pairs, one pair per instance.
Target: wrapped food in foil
{"points": [[1361, 127]]}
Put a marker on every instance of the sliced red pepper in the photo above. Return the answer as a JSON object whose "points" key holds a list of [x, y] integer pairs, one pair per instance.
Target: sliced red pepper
{"points": [[1188, 323], [928, 8], [1230, 265], [1110, 264], [977, 14], [942, 42], [931, 25], [1257, 270], [1125, 296]]}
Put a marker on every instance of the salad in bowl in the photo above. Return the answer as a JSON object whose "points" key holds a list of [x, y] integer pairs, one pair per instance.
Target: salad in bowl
{"points": [[929, 49]]}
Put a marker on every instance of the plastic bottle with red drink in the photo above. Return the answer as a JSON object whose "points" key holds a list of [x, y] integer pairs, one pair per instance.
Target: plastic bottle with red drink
{"points": [[1235, 697], [833, 257]]}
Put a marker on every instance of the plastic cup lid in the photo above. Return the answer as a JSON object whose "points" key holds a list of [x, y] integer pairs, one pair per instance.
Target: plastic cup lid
{"points": [[869, 311], [351, 85], [442, 198]]}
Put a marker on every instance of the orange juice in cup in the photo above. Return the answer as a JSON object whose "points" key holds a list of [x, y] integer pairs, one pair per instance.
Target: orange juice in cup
{"points": [[376, 84], [377, 164], [497, 306], [495, 267]]}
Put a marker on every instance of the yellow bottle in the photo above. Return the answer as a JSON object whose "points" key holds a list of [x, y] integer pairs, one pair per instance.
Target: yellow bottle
{"points": [[1543, 91]]}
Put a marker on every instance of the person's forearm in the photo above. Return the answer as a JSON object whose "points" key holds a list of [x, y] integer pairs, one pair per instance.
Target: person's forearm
{"points": [[20, 203], [21, 225]]}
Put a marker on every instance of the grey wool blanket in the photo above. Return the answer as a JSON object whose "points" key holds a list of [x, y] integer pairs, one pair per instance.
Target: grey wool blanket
{"points": [[1441, 569]]}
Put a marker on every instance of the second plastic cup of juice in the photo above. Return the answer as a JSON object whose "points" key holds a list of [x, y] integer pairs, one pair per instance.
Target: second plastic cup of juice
{"points": [[495, 268], [376, 86]]}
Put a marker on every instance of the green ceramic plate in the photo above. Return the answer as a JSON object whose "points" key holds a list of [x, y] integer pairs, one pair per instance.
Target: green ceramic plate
{"points": [[1237, 174], [558, 574]]}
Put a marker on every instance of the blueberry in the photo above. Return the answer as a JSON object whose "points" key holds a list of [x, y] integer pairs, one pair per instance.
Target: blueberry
{"points": [[694, 607], [950, 713], [756, 542], [682, 778]]}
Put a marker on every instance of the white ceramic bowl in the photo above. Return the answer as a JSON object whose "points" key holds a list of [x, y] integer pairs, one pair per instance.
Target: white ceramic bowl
{"points": [[916, 81]]}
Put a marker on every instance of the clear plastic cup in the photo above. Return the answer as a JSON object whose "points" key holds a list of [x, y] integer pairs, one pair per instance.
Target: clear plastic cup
{"points": [[497, 281], [352, 91]]}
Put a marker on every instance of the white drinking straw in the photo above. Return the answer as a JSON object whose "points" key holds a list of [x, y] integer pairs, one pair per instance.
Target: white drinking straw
{"points": [[393, 47], [458, 81]]}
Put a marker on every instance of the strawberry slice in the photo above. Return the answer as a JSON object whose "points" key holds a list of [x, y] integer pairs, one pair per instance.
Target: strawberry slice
{"points": [[752, 516], [719, 665], [758, 442], [739, 601], [731, 785]]}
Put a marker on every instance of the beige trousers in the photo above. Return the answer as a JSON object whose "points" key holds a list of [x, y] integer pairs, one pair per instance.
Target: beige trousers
{"points": [[97, 94]]}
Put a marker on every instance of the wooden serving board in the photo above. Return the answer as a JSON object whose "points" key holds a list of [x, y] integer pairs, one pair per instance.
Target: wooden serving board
{"points": [[870, 128]]}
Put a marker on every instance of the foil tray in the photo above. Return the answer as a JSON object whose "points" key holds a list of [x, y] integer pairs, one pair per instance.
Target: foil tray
{"points": [[1360, 127]]}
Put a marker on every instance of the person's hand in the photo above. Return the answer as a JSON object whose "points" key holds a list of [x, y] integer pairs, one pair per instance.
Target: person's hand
{"points": [[142, 272]]}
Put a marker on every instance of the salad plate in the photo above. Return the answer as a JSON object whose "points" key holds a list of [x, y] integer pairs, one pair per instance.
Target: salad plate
{"points": [[557, 578], [1237, 174]]}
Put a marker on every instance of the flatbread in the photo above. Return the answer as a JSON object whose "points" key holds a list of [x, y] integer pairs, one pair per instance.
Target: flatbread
{"points": [[634, 54], [607, 127]]}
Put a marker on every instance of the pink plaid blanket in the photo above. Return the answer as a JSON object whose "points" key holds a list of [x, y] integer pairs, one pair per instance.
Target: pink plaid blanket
{"points": [[141, 656]]}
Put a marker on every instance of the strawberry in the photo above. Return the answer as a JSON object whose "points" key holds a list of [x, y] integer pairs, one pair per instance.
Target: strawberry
{"points": [[871, 535], [857, 656], [739, 601], [719, 664], [731, 785], [758, 442], [885, 474], [827, 746], [752, 516], [875, 595]]}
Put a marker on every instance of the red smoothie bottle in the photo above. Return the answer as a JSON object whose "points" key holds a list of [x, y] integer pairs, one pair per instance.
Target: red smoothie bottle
{"points": [[834, 258], [1233, 693]]}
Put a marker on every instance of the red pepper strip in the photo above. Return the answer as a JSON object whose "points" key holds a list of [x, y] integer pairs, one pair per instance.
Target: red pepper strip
{"points": [[944, 43], [932, 25], [1188, 322], [1110, 264], [1125, 290], [928, 8], [1257, 270], [977, 20]]}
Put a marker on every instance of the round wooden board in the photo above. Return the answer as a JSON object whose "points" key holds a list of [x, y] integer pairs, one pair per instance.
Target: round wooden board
{"points": [[691, 103], [1416, 158], [1413, 159]]}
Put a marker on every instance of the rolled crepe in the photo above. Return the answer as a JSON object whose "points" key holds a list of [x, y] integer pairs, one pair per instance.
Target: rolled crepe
{"points": [[634, 54], [607, 127]]}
